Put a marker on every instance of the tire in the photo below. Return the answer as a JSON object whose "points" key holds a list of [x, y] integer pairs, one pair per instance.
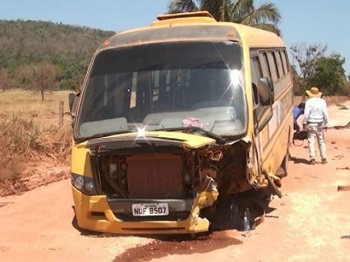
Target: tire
{"points": [[283, 169]]}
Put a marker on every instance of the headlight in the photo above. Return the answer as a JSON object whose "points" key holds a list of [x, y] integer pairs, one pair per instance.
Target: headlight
{"points": [[79, 182], [83, 184]]}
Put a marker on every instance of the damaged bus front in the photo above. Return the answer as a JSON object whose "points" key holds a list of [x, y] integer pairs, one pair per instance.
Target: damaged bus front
{"points": [[161, 131]]}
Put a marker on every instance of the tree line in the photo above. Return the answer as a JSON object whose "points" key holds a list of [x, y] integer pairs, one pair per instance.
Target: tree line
{"points": [[55, 53]]}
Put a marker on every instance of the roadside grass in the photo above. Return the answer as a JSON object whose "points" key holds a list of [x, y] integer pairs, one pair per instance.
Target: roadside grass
{"points": [[30, 131], [28, 104]]}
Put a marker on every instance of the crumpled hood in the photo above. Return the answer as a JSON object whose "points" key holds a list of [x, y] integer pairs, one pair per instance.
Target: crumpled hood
{"points": [[155, 138]]}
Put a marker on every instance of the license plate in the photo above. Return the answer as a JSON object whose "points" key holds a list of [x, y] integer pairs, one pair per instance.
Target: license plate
{"points": [[150, 209]]}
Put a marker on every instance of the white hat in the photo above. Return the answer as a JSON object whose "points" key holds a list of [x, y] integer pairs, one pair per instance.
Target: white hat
{"points": [[314, 92]]}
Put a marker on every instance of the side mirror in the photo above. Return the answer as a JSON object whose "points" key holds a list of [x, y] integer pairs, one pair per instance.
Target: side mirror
{"points": [[71, 98], [73, 102], [266, 91]]}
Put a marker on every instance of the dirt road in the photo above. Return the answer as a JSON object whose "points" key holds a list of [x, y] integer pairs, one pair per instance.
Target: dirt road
{"points": [[311, 222]]}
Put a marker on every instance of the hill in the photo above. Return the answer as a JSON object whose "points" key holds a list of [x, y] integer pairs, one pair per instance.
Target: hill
{"points": [[67, 47]]}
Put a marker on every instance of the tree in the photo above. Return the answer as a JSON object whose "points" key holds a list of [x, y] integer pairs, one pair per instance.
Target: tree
{"points": [[265, 16], [317, 69], [306, 57], [42, 76], [329, 75]]}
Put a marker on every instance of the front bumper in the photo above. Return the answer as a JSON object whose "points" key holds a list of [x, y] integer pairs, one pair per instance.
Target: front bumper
{"points": [[94, 213]]}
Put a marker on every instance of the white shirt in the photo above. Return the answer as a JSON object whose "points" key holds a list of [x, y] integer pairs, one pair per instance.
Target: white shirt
{"points": [[316, 111]]}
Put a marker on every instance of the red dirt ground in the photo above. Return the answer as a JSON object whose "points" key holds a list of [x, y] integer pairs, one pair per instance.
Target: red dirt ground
{"points": [[311, 222]]}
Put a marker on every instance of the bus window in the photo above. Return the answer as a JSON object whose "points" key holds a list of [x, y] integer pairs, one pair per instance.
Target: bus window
{"points": [[256, 75], [265, 66], [272, 65], [284, 61], [278, 61]]}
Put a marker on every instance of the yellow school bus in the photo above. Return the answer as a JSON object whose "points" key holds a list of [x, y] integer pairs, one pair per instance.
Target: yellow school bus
{"points": [[176, 119]]}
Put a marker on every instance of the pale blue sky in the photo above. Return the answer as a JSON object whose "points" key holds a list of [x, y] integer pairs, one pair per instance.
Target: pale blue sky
{"points": [[321, 22]]}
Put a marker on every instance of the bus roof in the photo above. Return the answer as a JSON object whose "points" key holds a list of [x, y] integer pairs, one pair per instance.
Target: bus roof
{"points": [[194, 26]]}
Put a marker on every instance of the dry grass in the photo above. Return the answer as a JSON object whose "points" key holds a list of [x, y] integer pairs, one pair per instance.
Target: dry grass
{"points": [[28, 104], [30, 131]]}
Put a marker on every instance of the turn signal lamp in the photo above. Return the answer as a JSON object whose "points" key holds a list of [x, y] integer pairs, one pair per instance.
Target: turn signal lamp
{"points": [[231, 32], [106, 43]]}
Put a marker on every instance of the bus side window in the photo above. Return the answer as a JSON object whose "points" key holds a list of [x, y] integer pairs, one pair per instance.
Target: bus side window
{"points": [[262, 113], [284, 61], [265, 70], [271, 60], [280, 66], [256, 75]]}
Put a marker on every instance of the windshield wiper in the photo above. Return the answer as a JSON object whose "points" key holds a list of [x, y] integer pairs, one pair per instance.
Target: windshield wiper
{"points": [[219, 140], [79, 140]]}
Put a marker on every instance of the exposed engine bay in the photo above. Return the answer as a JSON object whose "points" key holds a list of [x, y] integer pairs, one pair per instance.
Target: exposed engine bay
{"points": [[156, 169]]}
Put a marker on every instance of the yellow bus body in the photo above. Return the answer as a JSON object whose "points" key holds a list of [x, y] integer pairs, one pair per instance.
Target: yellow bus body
{"points": [[262, 147]]}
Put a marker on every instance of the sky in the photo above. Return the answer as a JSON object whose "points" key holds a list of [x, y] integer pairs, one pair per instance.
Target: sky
{"points": [[303, 22]]}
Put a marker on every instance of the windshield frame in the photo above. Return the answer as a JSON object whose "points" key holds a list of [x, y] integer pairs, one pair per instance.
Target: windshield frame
{"points": [[121, 123]]}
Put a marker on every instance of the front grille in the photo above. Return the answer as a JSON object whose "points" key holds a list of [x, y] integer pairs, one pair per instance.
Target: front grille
{"points": [[155, 176]]}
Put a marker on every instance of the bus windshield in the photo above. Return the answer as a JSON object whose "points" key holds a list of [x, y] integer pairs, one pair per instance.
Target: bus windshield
{"points": [[160, 86]]}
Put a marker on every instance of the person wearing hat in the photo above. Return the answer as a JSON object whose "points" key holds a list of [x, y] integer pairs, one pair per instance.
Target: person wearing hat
{"points": [[315, 122]]}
